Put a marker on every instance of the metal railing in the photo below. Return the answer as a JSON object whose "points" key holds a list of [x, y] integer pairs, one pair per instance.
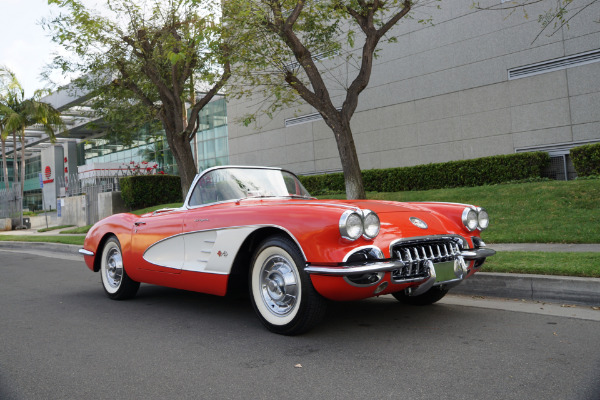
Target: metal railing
{"points": [[73, 185]]}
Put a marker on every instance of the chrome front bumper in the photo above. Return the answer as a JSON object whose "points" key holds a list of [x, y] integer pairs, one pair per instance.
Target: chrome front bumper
{"points": [[385, 266], [86, 252]]}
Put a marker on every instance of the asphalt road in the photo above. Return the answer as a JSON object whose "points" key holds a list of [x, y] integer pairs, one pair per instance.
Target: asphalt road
{"points": [[61, 338]]}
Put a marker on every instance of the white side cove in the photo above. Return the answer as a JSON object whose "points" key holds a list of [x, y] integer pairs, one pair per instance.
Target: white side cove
{"points": [[211, 251], [168, 253]]}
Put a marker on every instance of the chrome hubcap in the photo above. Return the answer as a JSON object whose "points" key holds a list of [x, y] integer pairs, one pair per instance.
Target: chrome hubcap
{"points": [[114, 268], [279, 285]]}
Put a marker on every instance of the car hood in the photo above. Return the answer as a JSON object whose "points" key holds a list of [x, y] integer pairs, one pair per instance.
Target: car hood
{"points": [[379, 206]]}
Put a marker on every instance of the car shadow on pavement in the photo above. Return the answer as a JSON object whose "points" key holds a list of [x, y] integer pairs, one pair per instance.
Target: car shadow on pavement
{"points": [[162, 303]]}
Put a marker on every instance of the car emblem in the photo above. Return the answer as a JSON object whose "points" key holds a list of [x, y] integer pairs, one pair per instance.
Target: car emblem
{"points": [[418, 222]]}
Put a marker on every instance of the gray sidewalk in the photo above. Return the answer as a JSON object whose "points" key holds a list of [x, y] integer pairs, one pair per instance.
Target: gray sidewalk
{"points": [[545, 288]]}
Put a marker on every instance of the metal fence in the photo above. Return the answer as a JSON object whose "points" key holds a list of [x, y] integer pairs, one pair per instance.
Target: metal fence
{"points": [[73, 185], [11, 202], [560, 168]]}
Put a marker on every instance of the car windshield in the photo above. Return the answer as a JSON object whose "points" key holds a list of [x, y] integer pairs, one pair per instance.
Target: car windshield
{"points": [[240, 183]]}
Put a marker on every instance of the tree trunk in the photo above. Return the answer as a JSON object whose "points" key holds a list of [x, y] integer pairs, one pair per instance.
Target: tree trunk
{"points": [[350, 165], [4, 163], [22, 164], [22, 177], [182, 151], [15, 159]]}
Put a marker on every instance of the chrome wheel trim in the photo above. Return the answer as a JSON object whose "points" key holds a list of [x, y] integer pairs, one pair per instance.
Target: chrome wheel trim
{"points": [[276, 286], [112, 267], [279, 285]]}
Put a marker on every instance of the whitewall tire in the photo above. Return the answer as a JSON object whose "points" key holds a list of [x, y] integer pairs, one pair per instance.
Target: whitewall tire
{"points": [[115, 281], [281, 292]]}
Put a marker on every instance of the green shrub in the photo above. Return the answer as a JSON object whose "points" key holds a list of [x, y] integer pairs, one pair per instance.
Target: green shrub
{"points": [[476, 172], [150, 190], [586, 159]]}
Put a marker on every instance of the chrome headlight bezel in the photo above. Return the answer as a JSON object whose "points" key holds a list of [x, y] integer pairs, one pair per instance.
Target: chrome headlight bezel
{"points": [[475, 218], [371, 224], [351, 225], [470, 218], [483, 219]]}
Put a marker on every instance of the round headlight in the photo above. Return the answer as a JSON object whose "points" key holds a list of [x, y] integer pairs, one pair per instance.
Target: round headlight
{"points": [[470, 218], [351, 225], [483, 220], [371, 224]]}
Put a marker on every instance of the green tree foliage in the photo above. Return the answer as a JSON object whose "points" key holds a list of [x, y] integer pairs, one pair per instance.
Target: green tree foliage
{"points": [[320, 51], [559, 13], [143, 60]]}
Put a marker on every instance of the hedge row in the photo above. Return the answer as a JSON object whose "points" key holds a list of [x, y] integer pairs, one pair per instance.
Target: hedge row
{"points": [[150, 190], [476, 172], [586, 159]]}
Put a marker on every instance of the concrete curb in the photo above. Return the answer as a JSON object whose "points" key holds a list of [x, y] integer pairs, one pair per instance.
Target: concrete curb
{"points": [[70, 249], [552, 289]]}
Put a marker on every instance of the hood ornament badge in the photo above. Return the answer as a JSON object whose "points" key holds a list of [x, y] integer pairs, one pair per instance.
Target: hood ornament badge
{"points": [[419, 223]]}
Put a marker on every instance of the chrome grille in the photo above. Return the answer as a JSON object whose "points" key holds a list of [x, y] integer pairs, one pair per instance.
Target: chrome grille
{"points": [[417, 255]]}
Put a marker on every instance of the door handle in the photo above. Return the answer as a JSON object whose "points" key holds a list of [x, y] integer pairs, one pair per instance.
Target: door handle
{"points": [[139, 223]]}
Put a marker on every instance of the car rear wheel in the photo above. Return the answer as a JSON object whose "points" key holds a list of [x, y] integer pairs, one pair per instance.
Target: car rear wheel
{"points": [[429, 297], [281, 292], [115, 281]]}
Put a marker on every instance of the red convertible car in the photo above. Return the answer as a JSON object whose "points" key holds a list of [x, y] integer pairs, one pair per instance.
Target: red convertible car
{"points": [[258, 228]]}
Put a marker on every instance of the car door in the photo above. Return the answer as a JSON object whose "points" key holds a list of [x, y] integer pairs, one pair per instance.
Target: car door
{"points": [[157, 243]]}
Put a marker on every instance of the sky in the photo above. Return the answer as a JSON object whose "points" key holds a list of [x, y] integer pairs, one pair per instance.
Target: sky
{"points": [[24, 45]]}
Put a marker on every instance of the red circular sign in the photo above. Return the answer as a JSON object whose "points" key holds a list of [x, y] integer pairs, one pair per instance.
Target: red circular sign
{"points": [[48, 172]]}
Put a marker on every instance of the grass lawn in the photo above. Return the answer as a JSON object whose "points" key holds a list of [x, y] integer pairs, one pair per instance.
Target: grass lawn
{"points": [[538, 212], [78, 230], [535, 262], [53, 228], [48, 239]]}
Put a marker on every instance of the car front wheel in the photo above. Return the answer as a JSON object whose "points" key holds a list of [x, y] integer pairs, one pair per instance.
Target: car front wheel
{"points": [[281, 292], [429, 297], [117, 284]]}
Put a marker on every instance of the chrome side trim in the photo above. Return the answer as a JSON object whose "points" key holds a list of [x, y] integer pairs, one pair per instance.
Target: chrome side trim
{"points": [[378, 266], [86, 252], [254, 227]]}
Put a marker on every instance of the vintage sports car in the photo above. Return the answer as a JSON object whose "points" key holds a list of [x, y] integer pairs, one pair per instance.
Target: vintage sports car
{"points": [[258, 228]]}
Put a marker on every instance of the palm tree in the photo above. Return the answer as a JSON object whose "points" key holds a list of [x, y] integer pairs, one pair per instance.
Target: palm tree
{"points": [[17, 113], [3, 140]]}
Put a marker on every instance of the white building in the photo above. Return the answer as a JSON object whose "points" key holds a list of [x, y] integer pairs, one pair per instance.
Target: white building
{"points": [[471, 85]]}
